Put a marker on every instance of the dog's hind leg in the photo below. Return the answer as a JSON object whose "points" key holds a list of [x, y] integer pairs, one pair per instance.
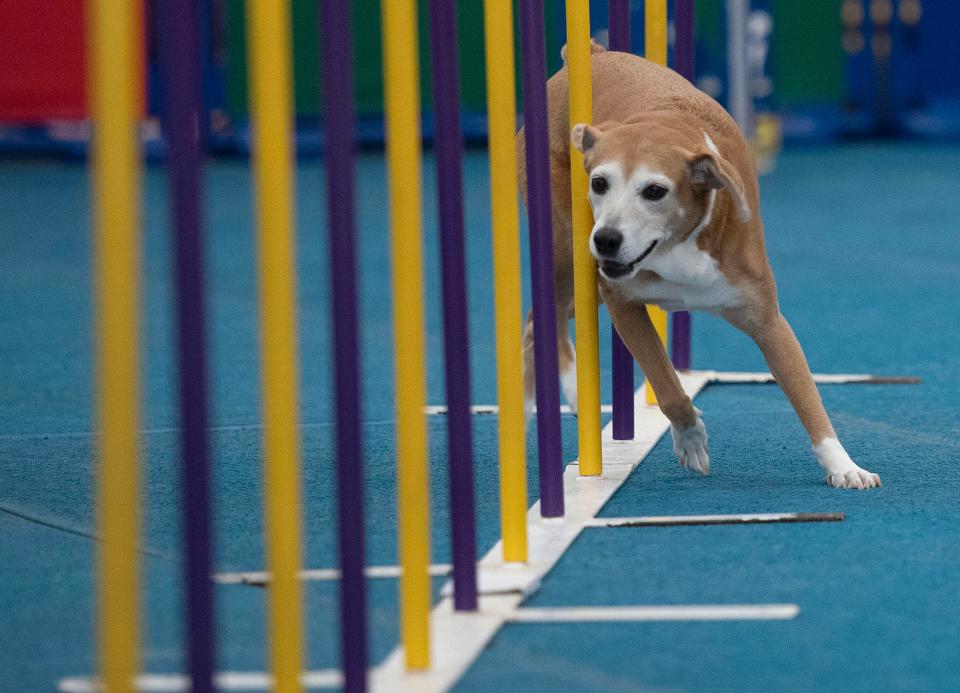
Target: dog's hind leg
{"points": [[529, 367], [784, 356], [638, 333], [563, 283], [567, 358], [566, 361]]}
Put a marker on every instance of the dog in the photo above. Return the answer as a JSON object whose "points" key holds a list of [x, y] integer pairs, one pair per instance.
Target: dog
{"points": [[676, 206]]}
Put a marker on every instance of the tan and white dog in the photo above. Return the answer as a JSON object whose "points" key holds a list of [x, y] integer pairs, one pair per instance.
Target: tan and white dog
{"points": [[673, 186]]}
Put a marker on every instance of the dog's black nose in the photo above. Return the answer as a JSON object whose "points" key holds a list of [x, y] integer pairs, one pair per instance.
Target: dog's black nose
{"points": [[607, 241]]}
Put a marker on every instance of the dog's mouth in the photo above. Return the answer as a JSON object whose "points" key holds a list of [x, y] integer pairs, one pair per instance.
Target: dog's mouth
{"points": [[617, 270]]}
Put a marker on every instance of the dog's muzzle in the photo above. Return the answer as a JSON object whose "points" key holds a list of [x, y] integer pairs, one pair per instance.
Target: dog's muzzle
{"points": [[617, 270]]}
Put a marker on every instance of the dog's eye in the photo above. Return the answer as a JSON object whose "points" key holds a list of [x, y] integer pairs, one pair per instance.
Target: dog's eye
{"points": [[654, 192], [599, 185]]}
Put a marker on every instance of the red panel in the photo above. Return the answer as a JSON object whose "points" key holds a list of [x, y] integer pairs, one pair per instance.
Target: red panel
{"points": [[41, 60]]}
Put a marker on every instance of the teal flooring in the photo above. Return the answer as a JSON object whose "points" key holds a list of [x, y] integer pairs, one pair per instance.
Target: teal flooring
{"points": [[863, 241]]}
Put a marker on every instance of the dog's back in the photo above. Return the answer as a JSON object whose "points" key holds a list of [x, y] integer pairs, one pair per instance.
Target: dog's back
{"points": [[625, 85]]}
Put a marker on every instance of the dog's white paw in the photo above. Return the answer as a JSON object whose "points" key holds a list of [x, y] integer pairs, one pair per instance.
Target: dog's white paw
{"points": [[843, 472], [690, 446], [855, 478]]}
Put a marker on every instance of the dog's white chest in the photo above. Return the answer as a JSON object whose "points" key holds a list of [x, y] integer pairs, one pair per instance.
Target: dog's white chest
{"points": [[689, 279]]}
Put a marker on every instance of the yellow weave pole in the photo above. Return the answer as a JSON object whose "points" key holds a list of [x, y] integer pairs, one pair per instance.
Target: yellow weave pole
{"points": [[402, 107], [584, 267], [114, 33], [501, 117], [269, 64], [658, 316], [655, 31], [655, 41]]}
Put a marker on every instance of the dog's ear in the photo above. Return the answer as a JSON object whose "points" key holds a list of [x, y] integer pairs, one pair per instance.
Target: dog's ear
{"points": [[584, 137], [594, 48], [713, 172]]}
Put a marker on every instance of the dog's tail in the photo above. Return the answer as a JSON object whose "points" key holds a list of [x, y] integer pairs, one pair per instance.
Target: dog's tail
{"points": [[594, 48]]}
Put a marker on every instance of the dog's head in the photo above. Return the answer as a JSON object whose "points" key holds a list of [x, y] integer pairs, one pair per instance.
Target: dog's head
{"points": [[650, 185]]}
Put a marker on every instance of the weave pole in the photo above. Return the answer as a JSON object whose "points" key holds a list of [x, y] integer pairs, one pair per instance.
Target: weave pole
{"points": [[655, 31], [618, 12], [448, 144], [534, 69], [113, 36], [505, 211], [179, 55], [268, 61], [684, 46], [501, 117], [584, 266], [683, 59], [655, 49], [336, 45], [402, 102]]}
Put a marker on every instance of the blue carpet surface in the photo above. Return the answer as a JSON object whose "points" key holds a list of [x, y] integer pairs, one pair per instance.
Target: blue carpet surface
{"points": [[863, 241]]}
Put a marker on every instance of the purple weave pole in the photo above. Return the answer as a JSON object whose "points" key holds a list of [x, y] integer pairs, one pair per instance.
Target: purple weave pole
{"points": [[337, 61], [683, 52], [618, 12], [534, 70], [448, 144], [179, 53], [618, 25]]}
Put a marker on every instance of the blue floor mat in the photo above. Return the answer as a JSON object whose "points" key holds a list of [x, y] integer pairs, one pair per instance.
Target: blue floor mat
{"points": [[868, 276], [875, 591], [862, 239]]}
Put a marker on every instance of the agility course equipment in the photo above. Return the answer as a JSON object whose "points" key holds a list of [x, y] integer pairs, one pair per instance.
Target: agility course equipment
{"points": [[115, 98], [403, 169], [683, 56], [621, 360], [448, 144], [505, 210], [584, 267], [481, 596], [656, 43], [685, 520], [539, 212], [341, 239], [113, 28], [179, 43], [655, 50], [269, 59]]}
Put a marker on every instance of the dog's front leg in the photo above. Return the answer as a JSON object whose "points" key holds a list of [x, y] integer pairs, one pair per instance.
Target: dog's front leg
{"points": [[789, 366], [638, 333]]}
